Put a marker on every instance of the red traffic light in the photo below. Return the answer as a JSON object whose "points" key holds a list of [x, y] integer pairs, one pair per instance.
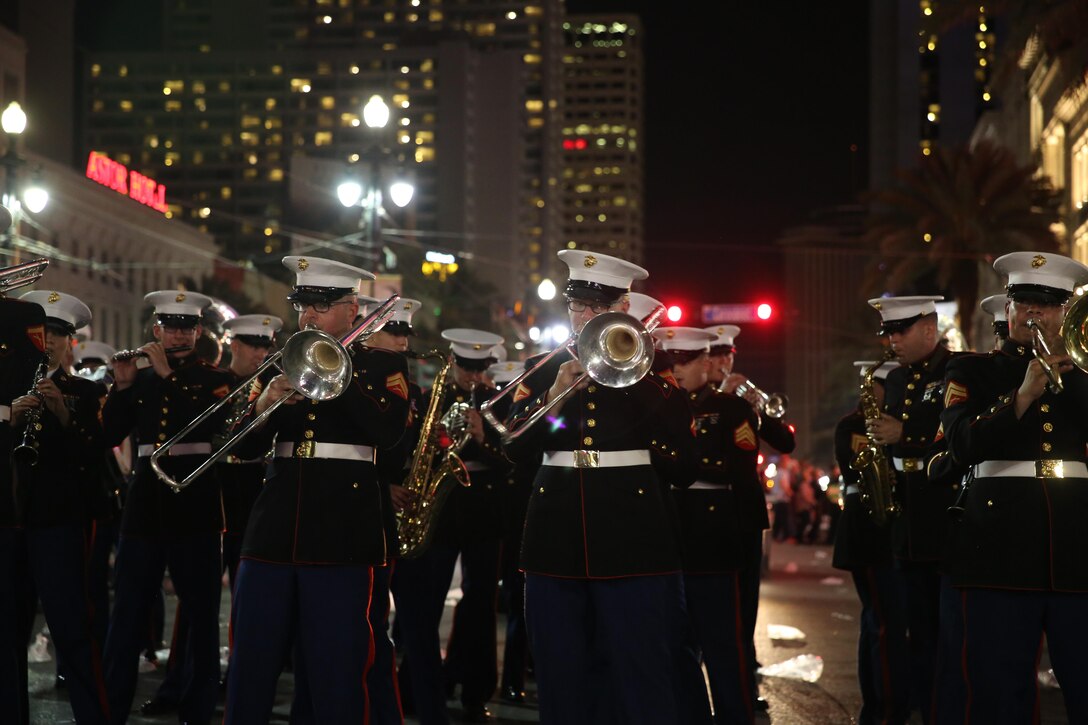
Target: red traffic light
{"points": [[674, 313], [764, 311]]}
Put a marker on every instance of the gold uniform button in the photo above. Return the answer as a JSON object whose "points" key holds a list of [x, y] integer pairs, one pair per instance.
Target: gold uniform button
{"points": [[311, 416], [990, 503], [308, 434], [1048, 427], [1047, 447], [587, 441], [908, 402], [910, 386], [591, 405], [641, 491], [917, 376], [905, 416], [710, 507], [163, 422], [162, 436], [1045, 407], [592, 388], [591, 423], [355, 485], [706, 460], [354, 374], [541, 489], [165, 411], [369, 386]]}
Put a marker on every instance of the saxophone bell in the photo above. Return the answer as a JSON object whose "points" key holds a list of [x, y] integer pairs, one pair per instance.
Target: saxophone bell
{"points": [[876, 479]]}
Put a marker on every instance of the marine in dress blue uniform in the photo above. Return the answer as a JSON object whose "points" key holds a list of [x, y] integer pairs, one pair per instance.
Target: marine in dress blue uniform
{"points": [[710, 533], [58, 492], [752, 511], [92, 361], [382, 680], [865, 550], [159, 527], [1017, 552], [316, 531], [600, 553], [22, 347], [468, 526], [908, 428], [515, 500], [994, 305]]}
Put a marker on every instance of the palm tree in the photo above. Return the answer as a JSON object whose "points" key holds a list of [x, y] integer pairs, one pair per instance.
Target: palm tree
{"points": [[959, 209]]}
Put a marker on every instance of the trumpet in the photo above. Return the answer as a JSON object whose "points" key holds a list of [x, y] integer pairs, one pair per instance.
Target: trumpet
{"points": [[126, 355], [772, 405], [615, 349], [317, 365]]}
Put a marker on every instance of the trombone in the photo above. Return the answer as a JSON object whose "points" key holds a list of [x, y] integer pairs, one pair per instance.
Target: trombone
{"points": [[21, 275], [616, 350], [1074, 337], [317, 365]]}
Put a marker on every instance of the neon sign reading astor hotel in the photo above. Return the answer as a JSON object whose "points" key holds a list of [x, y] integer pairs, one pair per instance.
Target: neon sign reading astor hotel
{"points": [[125, 181]]}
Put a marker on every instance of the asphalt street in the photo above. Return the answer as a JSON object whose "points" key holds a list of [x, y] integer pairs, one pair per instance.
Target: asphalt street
{"points": [[802, 592]]}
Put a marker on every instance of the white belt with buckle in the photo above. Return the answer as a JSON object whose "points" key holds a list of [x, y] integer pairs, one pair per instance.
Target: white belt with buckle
{"points": [[5, 413], [181, 449], [596, 459], [1031, 469], [851, 489], [707, 486], [909, 465], [312, 449]]}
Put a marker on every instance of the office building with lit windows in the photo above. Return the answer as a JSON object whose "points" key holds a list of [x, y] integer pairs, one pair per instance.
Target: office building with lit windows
{"points": [[602, 135], [927, 86], [229, 93]]}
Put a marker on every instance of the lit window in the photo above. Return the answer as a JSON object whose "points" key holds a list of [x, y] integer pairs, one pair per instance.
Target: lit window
{"points": [[224, 86], [275, 174], [424, 154], [96, 69], [323, 138], [249, 138], [173, 106], [250, 121], [532, 58], [298, 84], [224, 192], [126, 106], [534, 105], [328, 103]]}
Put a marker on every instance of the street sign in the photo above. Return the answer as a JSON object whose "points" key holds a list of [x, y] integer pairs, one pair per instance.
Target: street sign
{"points": [[715, 314]]}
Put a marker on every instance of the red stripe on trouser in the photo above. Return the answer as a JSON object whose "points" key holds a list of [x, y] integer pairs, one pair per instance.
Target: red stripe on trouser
{"points": [[96, 653], [370, 646], [882, 640]]}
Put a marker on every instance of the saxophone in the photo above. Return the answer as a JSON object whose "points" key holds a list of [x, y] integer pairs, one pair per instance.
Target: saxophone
{"points": [[433, 464], [876, 475]]}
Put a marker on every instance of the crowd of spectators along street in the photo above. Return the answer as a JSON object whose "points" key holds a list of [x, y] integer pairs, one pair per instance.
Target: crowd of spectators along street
{"points": [[804, 500]]}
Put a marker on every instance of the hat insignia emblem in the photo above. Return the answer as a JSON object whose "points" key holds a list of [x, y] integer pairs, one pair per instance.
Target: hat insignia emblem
{"points": [[670, 334], [590, 260], [407, 306], [721, 330], [1038, 261], [180, 297], [877, 306], [266, 322], [53, 298], [477, 347], [302, 265]]}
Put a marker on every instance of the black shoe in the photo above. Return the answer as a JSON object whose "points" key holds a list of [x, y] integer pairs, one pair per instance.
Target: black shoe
{"points": [[476, 713], [760, 705], [157, 706], [513, 694]]}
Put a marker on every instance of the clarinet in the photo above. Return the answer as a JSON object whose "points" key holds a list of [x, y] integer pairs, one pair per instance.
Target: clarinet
{"points": [[26, 453]]}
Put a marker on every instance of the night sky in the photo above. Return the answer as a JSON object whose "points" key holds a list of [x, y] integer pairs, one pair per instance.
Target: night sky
{"points": [[751, 112]]}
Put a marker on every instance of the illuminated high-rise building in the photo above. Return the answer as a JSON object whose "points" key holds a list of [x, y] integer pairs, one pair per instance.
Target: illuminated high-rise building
{"points": [[602, 138], [223, 95]]}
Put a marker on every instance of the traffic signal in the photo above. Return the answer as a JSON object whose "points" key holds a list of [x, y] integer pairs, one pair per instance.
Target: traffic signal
{"points": [[675, 313], [764, 311]]}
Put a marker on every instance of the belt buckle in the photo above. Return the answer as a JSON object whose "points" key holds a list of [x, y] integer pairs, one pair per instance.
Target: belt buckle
{"points": [[1049, 469], [305, 449], [912, 465], [587, 459]]}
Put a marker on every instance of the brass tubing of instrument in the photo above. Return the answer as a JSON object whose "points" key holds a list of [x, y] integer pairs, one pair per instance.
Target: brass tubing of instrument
{"points": [[1053, 375]]}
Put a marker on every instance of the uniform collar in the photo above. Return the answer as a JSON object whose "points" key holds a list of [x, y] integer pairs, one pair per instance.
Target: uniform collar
{"points": [[939, 354], [1016, 349]]}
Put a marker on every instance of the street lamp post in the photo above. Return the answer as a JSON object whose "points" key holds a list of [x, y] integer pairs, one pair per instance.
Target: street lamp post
{"points": [[13, 121], [352, 193]]}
